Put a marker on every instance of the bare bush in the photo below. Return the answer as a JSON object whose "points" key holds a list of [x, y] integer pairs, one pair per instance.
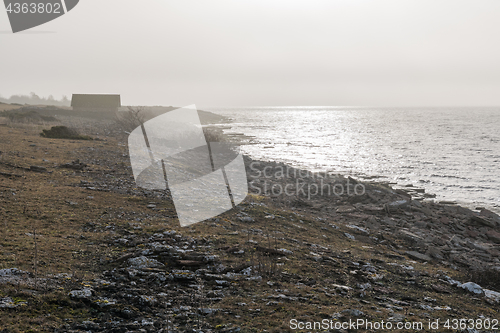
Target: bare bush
{"points": [[129, 120]]}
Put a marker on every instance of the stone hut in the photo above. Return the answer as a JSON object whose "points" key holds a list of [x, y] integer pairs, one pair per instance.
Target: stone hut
{"points": [[93, 102]]}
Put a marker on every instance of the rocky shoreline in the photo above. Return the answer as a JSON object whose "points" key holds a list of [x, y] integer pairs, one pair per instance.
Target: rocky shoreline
{"points": [[443, 232], [289, 251]]}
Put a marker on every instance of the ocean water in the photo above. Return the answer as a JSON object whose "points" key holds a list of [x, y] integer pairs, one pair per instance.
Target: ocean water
{"points": [[451, 152]]}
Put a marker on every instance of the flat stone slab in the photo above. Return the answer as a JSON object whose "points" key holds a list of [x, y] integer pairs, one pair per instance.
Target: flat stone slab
{"points": [[418, 256], [483, 220], [493, 235]]}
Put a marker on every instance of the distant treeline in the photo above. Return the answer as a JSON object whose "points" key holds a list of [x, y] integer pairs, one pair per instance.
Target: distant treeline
{"points": [[34, 99]]}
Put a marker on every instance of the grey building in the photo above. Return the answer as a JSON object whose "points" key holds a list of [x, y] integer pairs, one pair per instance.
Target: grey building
{"points": [[95, 102]]}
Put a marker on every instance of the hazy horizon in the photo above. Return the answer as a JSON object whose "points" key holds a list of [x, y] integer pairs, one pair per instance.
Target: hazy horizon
{"points": [[223, 53]]}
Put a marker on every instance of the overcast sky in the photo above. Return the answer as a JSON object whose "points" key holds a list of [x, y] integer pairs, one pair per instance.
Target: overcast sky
{"points": [[262, 52]]}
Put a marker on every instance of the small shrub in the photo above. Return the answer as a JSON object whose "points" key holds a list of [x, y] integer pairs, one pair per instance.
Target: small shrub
{"points": [[63, 132]]}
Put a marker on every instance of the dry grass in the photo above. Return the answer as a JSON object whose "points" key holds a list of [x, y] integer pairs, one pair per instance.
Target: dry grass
{"points": [[9, 107]]}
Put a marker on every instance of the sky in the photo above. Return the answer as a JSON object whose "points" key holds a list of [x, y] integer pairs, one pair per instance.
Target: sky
{"points": [[216, 53]]}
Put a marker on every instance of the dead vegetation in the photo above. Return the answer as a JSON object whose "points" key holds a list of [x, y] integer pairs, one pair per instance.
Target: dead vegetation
{"points": [[63, 132], [127, 121]]}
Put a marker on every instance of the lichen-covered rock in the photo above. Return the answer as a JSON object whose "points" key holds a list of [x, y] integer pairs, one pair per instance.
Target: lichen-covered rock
{"points": [[10, 303], [85, 293], [473, 288], [492, 295], [143, 262]]}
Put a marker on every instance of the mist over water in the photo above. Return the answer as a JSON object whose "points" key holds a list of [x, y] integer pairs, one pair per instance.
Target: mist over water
{"points": [[451, 152]]}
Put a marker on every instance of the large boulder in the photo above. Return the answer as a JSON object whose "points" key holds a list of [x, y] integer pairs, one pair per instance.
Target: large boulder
{"points": [[472, 288]]}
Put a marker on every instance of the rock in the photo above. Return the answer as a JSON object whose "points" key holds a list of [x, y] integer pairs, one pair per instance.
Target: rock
{"points": [[382, 290], [13, 275], [351, 237], [143, 262], [147, 300], [209, 311], [316, 257], [85, 293], [492, 295], [254, 278], [483, 221], [358, 230], [397, 317], [389, 221], [372, 209], [11, 272], [418, 256], [340, 287], [447, 202], [352, 312], [10, 303], [426, 307], [444, 308], [410, 237], [247, 219], [89, 325], [285, 251], [472, 233], [37, 168], [452, 282], [372, 223], [421, 224], [345, 209], [210, 258], [434, 252], [122, 241], [398, 203], [182, 274], [146, 322], [364, 286], [103, 302], [480, 246], [472, 288], [489, 214], [440, 289], [75, 165], [493, 235], [444, 220], [158, 247]]}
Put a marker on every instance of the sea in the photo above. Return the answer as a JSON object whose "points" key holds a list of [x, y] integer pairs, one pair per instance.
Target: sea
{"points": [[453, 153]]}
